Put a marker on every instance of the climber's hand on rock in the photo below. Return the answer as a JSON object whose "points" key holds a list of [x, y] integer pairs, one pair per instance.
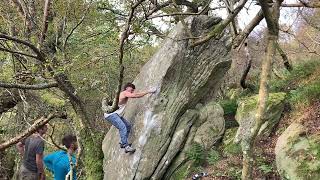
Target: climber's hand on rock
{"points": [[152, 90]]}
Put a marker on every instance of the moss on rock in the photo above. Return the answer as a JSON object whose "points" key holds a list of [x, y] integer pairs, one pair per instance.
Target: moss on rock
{"points": [[249, 104], [181, 173], [246, 114], [298, 156]]}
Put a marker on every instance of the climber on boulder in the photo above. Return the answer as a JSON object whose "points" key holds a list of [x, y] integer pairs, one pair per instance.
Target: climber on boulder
{"points": [[121, 123]]}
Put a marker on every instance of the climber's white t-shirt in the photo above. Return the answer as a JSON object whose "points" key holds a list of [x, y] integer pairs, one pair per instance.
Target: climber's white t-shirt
{"points": [[118, 111]]}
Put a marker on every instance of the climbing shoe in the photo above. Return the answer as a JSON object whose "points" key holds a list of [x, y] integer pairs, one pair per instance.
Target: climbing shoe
{"points": [[199, 175], [129, 149], [123, 145]]}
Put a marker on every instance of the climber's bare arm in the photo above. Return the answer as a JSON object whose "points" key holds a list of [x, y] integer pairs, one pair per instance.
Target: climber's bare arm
{"points": [[135, 94]]}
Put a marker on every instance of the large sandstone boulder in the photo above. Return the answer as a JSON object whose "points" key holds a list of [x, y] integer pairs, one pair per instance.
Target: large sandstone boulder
{"points": [[163, 123], [246, 115], [210, 125], [207, 129], [297, 155]]}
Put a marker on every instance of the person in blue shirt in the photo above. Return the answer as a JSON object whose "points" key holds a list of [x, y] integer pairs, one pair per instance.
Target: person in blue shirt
{"points": [[58, 162]]}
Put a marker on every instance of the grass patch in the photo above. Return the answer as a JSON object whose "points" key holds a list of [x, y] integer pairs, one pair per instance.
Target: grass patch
{"points": [[293, 79], [181, 173], [229, 106], [197, 154], [302, 83], [264, 166], [304, 95], [213, 157], [232, 149], [52, 99]]}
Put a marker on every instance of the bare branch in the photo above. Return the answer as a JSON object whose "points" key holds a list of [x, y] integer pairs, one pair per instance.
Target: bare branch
{"points": [[272, 19], [308, 21], [31, 87], [248, 29], [113, 11], [220, 27], [191, 6], [219, 7], [312, 39], [36, 125], [52, 140], [181, 13], [174, 14], [301, 42], [20, 53], [233, 25], [123, 38], [75, 27], [39, 56], [158, 7]]}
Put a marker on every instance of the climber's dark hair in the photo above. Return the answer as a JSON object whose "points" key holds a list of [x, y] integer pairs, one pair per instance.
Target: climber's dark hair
{"points": [[67, 140], [129, 85]]}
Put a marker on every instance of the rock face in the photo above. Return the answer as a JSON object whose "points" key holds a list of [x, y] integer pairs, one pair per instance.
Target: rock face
{"points": [[210, 125], [165, 122], [207, 129], [297, 156], [246, 115]]}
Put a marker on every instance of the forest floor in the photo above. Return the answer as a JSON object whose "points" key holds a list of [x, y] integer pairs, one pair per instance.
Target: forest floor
{"points": [[229, 167]]}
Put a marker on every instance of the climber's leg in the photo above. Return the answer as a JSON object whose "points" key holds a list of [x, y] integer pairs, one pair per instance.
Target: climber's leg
{"points": [[128, 125], [116, 120]]}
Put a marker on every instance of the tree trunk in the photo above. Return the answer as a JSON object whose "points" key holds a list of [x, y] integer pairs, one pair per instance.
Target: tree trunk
{"points": [[247, 146], [92, 156], [246, 71], [284, 57], [272, 19]]}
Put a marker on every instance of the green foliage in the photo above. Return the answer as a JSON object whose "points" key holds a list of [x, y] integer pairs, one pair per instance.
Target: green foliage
{"points": [[5, 68], [315, 149], [93, 155], [264, 166], [7, 163], [232, 149], [197, 154], [292, 79], [304, 95], [248, 104], [181, 173], [229, 106], [235, 172], [213, 157], [309, 165], [52, 100]]}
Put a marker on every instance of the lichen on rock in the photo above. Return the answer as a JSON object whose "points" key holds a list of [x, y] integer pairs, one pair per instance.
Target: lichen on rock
{"points": [[246, 115], [297, 155]]}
